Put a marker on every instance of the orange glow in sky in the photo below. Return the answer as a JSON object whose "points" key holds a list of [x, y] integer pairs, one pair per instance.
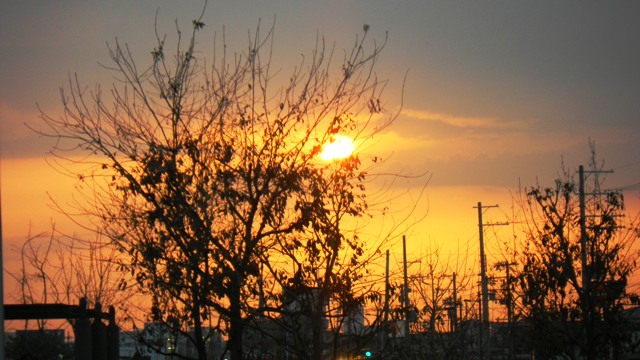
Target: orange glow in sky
{"points": [[489, 98]]}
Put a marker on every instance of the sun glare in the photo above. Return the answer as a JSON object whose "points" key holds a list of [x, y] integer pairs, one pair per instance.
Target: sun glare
{"points": [[339, 148]]}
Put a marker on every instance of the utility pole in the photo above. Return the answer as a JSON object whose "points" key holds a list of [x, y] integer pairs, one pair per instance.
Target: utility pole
{"points": [[405, 291], [484, 281], [455, 304], [509, 303], [459, 304], [586, 301], [510, 313], [387, 288], [452, 304], [586, 280], [2, 336], [484, 325]]}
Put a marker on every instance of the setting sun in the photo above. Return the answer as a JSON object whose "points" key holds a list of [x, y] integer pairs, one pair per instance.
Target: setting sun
{"points": [[339, 148]]}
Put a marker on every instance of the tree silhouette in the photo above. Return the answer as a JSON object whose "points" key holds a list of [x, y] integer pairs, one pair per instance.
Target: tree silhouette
{"points": [[39, 344], [436, 305], [199, 173], [570, 317], [56, 268]]}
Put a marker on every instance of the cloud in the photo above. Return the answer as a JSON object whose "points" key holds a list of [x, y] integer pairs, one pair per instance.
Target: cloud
{"points": [[478, 150], [486, 123], [437, 136], [12, 118], [16, 139]]}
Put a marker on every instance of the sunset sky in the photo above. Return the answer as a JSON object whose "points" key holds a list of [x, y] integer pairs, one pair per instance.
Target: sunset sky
{"points": [[496, 94]]}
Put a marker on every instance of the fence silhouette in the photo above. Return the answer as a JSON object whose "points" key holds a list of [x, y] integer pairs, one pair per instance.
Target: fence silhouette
{"points": [[93, 339]]}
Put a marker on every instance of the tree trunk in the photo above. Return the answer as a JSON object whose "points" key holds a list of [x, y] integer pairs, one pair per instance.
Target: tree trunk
{"points": [[236, 323], [200, 343], [318, 343]]}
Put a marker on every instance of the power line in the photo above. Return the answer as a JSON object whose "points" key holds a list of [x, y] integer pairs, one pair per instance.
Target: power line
{"points": [[630, 187]]}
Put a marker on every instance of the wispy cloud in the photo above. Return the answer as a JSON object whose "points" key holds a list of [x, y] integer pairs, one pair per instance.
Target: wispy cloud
{"points": [[465, 121], [16, 139]]}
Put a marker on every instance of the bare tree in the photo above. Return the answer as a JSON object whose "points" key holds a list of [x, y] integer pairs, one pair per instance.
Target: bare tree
{"points": [[60, 268], [197, 173], [436, 289]]}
